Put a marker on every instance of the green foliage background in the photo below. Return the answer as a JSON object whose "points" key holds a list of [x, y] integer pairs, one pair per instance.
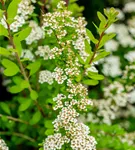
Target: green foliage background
{"points": [[26, 135]]}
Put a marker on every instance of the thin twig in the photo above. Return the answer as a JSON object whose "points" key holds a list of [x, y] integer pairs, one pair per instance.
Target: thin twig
{"points": [[19, 61], [16, 119], [67, 2], [19, 135], [97, 45]]}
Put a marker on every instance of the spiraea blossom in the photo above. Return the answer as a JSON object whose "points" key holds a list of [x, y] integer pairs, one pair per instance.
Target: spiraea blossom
{"points": [[69, 35], [130, 56], [111, 66], [129, 7], [36, 33], [45, 76], [119, 99], [69, 48], [3, 145], [25, 8]]}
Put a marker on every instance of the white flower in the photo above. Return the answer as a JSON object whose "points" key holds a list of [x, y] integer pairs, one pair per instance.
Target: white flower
{"points": [[3, 145], [92, 69], [130, 56], [111, 45], [45, 76], [27, 54], [45, 52], [59, 75], [111, 29], [132, 31], [61, 4], [131, 97], [37, 33], [24, 10], [54, 142], [58, 100], [62, 25], [129, 7], [121, 15], [111, 67]]}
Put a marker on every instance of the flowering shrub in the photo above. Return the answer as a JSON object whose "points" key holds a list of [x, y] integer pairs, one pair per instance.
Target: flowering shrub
{"points": [[50, 62], [117, 103]]}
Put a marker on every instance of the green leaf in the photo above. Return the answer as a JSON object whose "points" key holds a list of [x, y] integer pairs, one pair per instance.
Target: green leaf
{"points": [[101, 55], [15, 89], [88, 60], [12, 50], [24, 84], [25, 105], [5, 108], [11, 68], [101, 17], [1, 13], [36, 118], [18, 45], [34, 67], [49, 131], [106, 12], [12, 10], [80, 59], [20, 85], [88, 47], [90, 82], [91, 36], [106, 38], [95, 26], [4, 52], [4, 118], [33, 95], [40, 3], [22, 35], [78, 78], [95, 76], [3, 31], [17, 80], [48, 124]]}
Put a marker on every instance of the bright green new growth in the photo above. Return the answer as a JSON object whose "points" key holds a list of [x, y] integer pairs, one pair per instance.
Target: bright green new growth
{"points": [[34, 102]]}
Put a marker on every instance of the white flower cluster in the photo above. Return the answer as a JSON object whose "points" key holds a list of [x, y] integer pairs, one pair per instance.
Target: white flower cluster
{"points": [[122, 34], [125, 34], [58, 100], [77, 89], [70, 34], [130, 56], [129, 7], [47, 53], [37, 33], [3, 145], [66, 116], [59, 75], [116, 97], [45, 76], [43, 51], [81, 140], [111, 66], [24, 10], [78, 132], [129, 138], [72, 71], [111, 45], [57, 24], [55, 141], [27, 54]]}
